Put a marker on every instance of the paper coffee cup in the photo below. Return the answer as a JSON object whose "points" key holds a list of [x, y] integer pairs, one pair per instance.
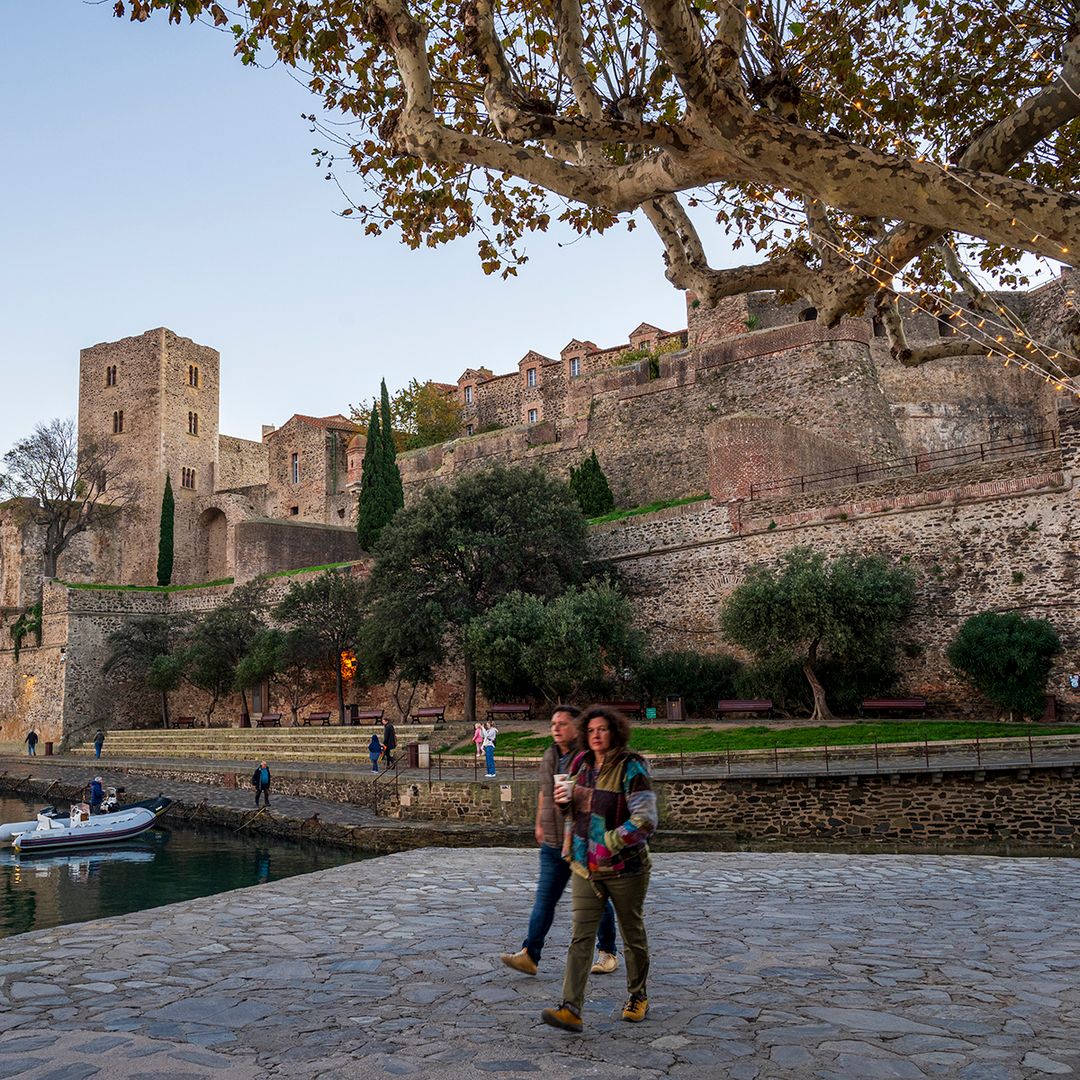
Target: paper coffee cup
{"points": [[562, 786]]}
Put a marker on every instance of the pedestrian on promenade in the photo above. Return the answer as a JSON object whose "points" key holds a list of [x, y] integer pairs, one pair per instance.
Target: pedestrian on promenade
{"points": [[31, 741], [491, 733], [260, 779], [97, 795], [554, 869], [99, 741], [478, 740], [389, 739], [374, 751], [612, 814]]}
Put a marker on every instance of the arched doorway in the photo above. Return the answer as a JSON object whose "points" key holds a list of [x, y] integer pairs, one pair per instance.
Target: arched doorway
{"points": [[213, 544]]}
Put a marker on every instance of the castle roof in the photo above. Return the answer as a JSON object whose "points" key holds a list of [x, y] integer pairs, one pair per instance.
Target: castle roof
{"points": [[644, 327], [573, 343], [337, 422]]}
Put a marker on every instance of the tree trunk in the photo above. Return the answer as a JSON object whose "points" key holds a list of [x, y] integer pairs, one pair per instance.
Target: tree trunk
{"points": [[165, 709], [50, 565], [340, 694], [821, 710], [470, 692]]}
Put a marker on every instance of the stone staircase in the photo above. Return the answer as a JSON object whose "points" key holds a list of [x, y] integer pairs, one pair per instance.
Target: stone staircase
{"points": [[342, 745]]}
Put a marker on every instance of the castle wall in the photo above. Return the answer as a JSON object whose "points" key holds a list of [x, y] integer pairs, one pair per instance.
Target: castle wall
{"points": [[266, 546], [242, 463], [994, 536], [648, 432]]}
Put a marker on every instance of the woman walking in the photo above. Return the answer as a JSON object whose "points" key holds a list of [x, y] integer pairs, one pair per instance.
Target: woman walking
{"points": [[374, 751], [491, 733], [611, 811]]}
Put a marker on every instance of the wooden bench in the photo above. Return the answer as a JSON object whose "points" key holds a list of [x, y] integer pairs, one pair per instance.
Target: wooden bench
{"points": [[630, 709], [429, 712], [322, 718], [183, 721], [509, 710], [750, 705], [894, 704], [268, 719], [369, 716]]}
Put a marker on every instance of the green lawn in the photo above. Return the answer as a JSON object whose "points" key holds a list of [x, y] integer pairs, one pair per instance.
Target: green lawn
{"points": [[705, 740]]}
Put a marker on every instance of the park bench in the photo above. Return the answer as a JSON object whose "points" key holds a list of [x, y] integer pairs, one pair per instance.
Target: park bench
{"points": [[369, 716], [429, 712], [268, 719], [630, 709], [750, 705], [894, 704], [322, 718], [183, 721], [510, 710]]}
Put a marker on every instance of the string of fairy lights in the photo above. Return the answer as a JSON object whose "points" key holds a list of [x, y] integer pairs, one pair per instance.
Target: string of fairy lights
{"points": [[1008, 340]]}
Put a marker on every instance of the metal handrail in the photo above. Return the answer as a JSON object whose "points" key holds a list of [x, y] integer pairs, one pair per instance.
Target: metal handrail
{"points": [[911, 464]]}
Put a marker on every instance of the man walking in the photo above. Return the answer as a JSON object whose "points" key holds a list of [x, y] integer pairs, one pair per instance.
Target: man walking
{"points": [[260, 780], [99, 742], [389, 741], [554, 870], [31, 741]]}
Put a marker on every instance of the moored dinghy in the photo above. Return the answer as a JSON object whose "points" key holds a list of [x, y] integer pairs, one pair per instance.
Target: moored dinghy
{"points": [[83, 829]]}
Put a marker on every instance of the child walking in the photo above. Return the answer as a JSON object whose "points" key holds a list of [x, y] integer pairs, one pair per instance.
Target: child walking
{"points": [[374, 751]]}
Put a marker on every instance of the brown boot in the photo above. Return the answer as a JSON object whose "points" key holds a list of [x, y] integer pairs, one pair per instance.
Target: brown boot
{"points": [[520, 961], [563, 1017]]}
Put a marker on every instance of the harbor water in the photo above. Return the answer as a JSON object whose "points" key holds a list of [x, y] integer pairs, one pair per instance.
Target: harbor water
{"points": [[172, 862]]}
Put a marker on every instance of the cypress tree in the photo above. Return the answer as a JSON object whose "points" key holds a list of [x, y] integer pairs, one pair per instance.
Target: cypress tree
{"points": [[370, 516], [165, 535], [590, 487], [393, 474]]}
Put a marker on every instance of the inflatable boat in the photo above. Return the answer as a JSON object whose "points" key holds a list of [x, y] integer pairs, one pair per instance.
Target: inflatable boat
{"points": [[53, 832]]}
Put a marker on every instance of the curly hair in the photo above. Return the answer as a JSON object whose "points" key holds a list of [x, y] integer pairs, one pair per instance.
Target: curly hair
{"points": [[618, 725]]}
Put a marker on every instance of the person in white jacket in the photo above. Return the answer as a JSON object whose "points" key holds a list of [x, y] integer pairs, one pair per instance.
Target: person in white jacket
{"points": [[491, 733]]}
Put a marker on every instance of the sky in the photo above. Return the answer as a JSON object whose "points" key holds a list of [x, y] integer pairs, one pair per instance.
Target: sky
{"points": [[149, 179]]}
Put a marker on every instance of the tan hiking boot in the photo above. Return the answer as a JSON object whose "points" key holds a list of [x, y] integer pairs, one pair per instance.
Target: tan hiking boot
{"points": [[563, 1017], [606, 963], [520, 961], [636, 1009]]}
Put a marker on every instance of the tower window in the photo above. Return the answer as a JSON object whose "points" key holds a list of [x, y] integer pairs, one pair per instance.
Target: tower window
{"points": [[110, 375], [530, 376], [468, 395], [294, 511], [193, 423], [469, 429], [193, 375], [575, 366], [294, 468], [187, 479], [532, 416], [118, 422]]}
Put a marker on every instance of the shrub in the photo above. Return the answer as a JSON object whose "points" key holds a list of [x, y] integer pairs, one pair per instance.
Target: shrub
{"points": [[590, 487], [701, 678], [1008, 658]]}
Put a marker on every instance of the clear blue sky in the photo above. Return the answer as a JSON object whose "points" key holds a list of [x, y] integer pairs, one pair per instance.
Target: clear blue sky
{"points": [[150, 179]]}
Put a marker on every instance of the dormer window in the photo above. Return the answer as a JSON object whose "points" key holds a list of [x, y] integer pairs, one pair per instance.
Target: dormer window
{"points": [[530, 376], [468, 395], [193, 375], [110, 375], [575, 366], [193, 423], [118, 422]]}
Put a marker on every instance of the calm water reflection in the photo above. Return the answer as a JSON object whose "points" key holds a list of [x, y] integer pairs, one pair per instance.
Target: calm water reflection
{"points": [[176, 862]]}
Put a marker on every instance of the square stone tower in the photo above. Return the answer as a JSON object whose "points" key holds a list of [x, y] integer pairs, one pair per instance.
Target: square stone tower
{"points": [[157, 394]]}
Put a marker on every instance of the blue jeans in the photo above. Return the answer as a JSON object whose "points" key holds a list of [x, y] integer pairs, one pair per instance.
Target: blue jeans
{"points": [[489, 758], [554, 874], [31, 749], [97, 749]]}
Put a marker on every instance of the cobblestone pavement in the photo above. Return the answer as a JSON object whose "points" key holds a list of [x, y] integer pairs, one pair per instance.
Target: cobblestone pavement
{"points": [[764, 966]]}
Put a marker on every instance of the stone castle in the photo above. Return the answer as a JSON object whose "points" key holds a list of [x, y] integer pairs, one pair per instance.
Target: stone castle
{"points": [[754, 403]]}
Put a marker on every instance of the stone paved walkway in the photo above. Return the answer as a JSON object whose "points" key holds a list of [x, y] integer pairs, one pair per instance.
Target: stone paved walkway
{"points": [[765, 966]]}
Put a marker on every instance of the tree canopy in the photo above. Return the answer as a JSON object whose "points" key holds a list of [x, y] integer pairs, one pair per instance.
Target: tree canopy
{"points": [[591, 488], [455, 553], [148, 650], [425, 414], [846, 142], [809, 610], [1008, 658]]}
